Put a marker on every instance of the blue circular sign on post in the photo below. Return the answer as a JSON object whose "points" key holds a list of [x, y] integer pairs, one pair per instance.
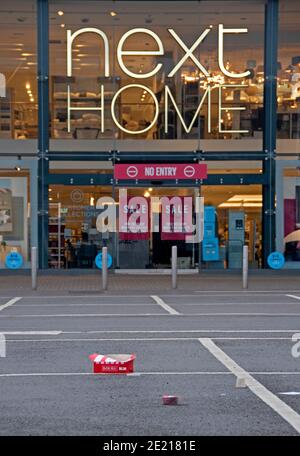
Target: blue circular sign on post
{"points": [[98, 260], [276, 260], [14, 260]]}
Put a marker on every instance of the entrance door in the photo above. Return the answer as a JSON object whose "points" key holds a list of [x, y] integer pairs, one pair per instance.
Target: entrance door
{"points": [[151, 248], [236, 220]]}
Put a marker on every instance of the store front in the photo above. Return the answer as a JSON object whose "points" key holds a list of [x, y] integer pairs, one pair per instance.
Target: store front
{"points": [[232, 217], [87, 87]]}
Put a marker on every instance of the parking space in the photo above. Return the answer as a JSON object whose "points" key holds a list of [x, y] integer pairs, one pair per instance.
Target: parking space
{"points": [[101, 405], [72, 356], [49, 340]]}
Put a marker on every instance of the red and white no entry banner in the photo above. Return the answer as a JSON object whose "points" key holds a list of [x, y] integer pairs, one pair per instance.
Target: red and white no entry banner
{"points": [[156, 171]]}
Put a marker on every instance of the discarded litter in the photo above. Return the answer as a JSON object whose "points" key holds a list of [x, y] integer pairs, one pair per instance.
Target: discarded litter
{"points": [[170, 400], [113, 364]]}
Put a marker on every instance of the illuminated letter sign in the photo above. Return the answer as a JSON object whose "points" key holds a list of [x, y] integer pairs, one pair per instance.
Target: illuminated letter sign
{"points": [[232, 108], [114, 102], [213, 81], [71, 38], [222, 31], [188, 129], [189, 52], [120, 53]]}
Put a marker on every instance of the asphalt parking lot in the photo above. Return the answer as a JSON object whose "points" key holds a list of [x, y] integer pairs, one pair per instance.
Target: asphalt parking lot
{"points": [[192, 345]]}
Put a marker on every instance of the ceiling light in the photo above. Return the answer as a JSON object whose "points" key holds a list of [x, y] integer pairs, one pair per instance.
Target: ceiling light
{"points": [[17, 168], [26, 54], [113, 13], [32, 100], [31, 63], [60, 13], [62, 25], [27, 85], [146, 194]]}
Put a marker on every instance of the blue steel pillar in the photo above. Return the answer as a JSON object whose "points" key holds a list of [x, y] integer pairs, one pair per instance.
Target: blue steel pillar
{"points": [[270, 116], [43, 128]]}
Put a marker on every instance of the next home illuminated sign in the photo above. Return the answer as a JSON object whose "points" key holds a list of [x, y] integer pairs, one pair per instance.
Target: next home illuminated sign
{"points": [[212, 83]]}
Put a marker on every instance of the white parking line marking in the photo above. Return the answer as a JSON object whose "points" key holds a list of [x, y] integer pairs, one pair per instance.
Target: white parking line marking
{"points": [[85, 304], [164, 331], [185, 304], [135, 374], [173, 314], [84, 315], [9, 303], [235, 293], [145, 339], [165, 306], [284, 410], [32, 333], [290, 393], [293, 296]]}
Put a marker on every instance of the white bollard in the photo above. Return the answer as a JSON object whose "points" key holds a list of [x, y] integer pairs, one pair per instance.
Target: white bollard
{"points": [[174, 266], [104, 268], [34, 267], [245, 266]]}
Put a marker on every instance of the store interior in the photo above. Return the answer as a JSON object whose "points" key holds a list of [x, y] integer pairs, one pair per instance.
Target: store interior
{"points": [[73, 214]]}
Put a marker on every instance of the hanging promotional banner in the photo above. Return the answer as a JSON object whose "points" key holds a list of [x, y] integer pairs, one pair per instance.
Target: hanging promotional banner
{"points": [[176, 218], [170, 171], [134, 219]]}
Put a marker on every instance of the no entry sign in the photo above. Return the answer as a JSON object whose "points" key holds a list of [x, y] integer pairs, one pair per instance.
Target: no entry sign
{"points": [[160, 172]]}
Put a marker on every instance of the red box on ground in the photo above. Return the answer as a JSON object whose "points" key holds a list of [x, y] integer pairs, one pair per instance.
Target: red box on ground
{"points": [[113, 364]]}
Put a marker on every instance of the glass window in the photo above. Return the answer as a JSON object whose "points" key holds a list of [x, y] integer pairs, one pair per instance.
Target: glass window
{"points": [[14, 215], [291, 214], [185, 76], [18, 88], [288, 86]]}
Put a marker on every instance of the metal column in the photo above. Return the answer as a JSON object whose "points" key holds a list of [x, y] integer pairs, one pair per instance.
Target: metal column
{"points": [[43, 128], [269, 141]]}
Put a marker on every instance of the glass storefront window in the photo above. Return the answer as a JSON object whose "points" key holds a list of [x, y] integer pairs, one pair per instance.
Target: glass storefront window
{"points": [[18, 59], [14, 215], [73, 238], [232, 218], [236, 222], [288, 78], [291, 214], [124, 83]]}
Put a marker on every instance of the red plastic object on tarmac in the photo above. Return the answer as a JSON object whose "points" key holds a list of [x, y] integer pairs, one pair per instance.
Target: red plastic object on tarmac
{"points": [[170, 400], [113, 364]]}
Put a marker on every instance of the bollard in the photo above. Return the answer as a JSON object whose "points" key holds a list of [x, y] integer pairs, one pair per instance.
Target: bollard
{"points": [[34, 267], [174, 266], [245, 266], [104, 268]]}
